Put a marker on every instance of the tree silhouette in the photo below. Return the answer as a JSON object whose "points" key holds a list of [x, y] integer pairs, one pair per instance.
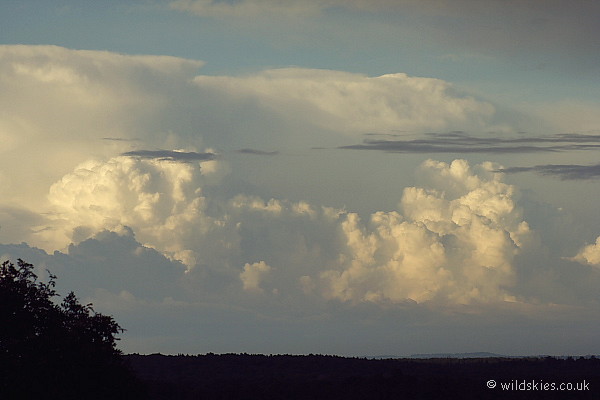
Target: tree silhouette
{"points": [[50, 350]]}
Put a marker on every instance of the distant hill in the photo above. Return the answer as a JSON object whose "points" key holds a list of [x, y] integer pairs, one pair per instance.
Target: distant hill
{"points": [[481, 354]]}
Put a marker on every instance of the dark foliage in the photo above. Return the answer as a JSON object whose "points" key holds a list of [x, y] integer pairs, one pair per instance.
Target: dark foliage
{"points": [[56, 351]]}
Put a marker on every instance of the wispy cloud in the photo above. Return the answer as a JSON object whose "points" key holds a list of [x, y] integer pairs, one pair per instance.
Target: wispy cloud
{"points": [[459, 142], [564, 172], [170, 155], [118, 139], [248, 8], [258, 152]]}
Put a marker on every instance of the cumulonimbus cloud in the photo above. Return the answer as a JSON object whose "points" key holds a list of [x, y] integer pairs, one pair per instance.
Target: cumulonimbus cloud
{"points": [[60, 106], [453, 238]]}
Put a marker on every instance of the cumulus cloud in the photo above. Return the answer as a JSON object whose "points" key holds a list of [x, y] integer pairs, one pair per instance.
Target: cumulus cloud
{"points": [[253, 275], [160, 199], [589, 254], [454, 241]]}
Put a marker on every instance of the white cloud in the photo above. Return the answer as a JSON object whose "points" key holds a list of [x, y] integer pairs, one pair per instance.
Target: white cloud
{"points": [[355, 103], [253, 275], [57, 104], [455, 243], [589, 254], [160, 199], [121, 222], [453, 238]]}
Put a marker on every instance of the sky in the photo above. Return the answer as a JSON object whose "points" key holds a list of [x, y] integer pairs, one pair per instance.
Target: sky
{"points": [[383, 177]]}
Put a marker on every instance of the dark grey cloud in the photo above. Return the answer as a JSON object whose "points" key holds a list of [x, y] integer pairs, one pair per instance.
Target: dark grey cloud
{"points": [[459, 142], [564, 172], [110, 261], [258, 152], [171, 155]]}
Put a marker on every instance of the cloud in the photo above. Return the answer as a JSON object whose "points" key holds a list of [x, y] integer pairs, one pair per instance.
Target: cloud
{"points": [[564, 172], [253, 275], [455, 241], [121, 139], [258, 152], [18, 224], [170, 155], [150, 296], [347, 102], [482, 28], [57, 103], [156, 102], [111, 261], [247, 8], [458, 142], [162, 201], [589, 254], [179, 247], [428, 250], [52, 96]]}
